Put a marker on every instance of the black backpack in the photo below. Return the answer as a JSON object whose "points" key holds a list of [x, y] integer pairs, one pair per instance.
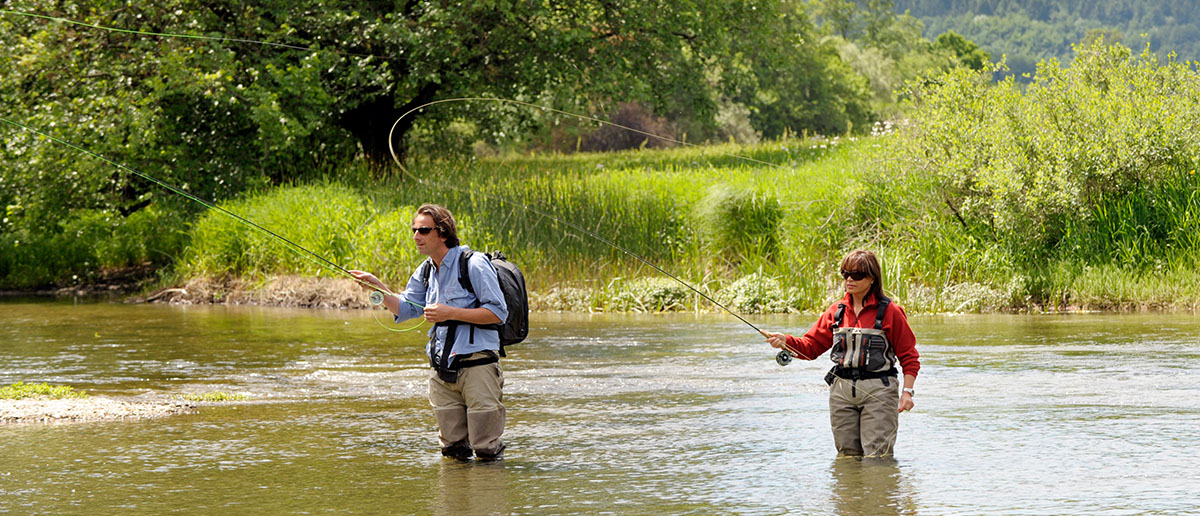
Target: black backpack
{"points": [[512, 285]]}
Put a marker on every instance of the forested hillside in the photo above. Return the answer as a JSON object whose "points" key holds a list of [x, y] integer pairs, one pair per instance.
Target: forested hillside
{"points": [[1030, 30]]}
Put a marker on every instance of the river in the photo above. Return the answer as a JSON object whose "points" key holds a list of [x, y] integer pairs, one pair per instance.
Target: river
{"points": [[608, 414]]}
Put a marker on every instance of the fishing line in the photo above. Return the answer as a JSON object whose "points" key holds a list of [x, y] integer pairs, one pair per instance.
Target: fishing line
{"points": [[319, 260], [782, 358], [577, 227]]}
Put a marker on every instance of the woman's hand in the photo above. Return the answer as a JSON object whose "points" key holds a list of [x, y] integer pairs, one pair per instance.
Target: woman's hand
{"points": [[776, 340]]}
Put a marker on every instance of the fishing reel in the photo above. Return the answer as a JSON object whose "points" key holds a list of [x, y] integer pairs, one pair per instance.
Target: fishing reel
{"points": [[376, 297], [783, 357]]}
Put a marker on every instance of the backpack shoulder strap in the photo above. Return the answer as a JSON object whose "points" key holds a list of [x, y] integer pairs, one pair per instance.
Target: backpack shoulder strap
{"points": [[426, 267], [837, 316], [464, 274], [883, 304]]}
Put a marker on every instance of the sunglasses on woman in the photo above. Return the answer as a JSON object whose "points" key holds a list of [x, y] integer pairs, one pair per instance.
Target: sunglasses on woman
{"points": [[424, 230], [857, 275]]}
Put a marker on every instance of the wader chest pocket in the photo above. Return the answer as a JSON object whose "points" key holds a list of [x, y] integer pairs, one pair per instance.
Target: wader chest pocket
{"points": [[877, 349]]}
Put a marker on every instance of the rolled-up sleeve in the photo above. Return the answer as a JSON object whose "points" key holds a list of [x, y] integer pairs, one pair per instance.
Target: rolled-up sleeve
{"points": [[413, 298], [487, 286]]}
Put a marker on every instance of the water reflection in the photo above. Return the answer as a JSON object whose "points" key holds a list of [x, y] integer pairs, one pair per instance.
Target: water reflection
{"points": [[870, 486], [471, 488]]}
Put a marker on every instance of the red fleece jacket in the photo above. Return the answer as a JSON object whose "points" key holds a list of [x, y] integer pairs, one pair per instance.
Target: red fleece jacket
{"points": [[819, 338]]}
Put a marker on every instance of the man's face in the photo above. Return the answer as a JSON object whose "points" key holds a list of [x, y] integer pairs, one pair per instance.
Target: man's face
{"points": [[428, 242]]}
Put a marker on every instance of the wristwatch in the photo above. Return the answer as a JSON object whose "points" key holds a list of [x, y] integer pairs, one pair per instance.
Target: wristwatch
{"points": [[910, 392]]}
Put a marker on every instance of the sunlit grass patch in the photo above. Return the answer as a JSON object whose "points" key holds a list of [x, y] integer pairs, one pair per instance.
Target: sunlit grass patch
{"points": [[22, 390], [214, 396]]}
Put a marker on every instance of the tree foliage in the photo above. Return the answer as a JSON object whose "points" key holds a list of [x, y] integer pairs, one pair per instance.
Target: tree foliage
{"points": [[800, 83], [966, 50], [1027, 31], [886, 49], [223, 97], [1096, 160], [218, 113]]}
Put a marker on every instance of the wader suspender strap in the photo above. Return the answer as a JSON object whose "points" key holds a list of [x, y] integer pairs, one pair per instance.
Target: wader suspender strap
{"points": [[882, 310], [883, 304], [841, 312]]}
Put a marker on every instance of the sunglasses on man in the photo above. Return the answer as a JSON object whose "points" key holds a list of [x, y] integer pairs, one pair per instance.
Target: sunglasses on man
{"points": [[424, 230]]}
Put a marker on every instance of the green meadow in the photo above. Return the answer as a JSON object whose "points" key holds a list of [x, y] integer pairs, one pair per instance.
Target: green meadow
{"points": [[760, 228]]}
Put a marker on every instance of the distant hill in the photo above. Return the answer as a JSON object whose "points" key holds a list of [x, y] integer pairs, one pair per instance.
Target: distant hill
{"points": [[1030, 30]]}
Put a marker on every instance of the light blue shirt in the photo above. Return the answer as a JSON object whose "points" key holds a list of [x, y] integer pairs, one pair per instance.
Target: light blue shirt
{"points": [[444, 289]]}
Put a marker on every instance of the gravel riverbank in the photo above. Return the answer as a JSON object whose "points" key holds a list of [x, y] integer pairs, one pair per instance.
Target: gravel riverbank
{"points": [[45, 410]]}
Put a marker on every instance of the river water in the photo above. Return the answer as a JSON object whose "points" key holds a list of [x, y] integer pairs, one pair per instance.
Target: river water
{"points": [[608, 414]]}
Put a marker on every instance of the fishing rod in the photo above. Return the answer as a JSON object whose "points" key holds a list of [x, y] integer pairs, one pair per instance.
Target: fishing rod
{"points": [[377, 293], [783, 358], [376, 296]]}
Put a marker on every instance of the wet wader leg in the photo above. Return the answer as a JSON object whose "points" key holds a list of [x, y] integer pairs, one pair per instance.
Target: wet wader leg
{"points": [[844, 414], [880, 419], [450, 410], [483, 391]]}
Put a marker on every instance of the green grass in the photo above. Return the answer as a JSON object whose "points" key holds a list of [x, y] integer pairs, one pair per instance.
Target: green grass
{"points": [[757, 237], [214, 396], [22, 390], [85, 243], [705, 215]]}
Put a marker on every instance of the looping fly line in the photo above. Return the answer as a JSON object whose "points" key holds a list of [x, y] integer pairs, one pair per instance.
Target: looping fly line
{"points": [[321, 260], [572, 225]]}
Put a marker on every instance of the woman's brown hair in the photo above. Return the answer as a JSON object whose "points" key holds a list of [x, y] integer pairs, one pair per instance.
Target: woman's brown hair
{"points": [[865, 261]]}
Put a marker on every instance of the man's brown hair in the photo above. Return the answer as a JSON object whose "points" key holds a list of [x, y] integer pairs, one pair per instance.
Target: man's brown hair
{"points": [[443, 221]]}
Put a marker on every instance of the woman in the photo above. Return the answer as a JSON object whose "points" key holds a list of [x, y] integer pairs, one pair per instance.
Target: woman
{"points": [[868, 335]]}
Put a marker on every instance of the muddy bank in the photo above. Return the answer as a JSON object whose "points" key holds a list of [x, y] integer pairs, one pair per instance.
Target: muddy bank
{"points": [[287, 291], [45, 410], [310, 292]]}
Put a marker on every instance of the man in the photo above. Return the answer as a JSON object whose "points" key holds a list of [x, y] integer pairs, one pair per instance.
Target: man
{"points": [[465, 382]]}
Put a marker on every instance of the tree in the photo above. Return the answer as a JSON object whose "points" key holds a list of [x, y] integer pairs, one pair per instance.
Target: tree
{"points": [[839, 15], [218, 113], [967, 51], [801, 83]]}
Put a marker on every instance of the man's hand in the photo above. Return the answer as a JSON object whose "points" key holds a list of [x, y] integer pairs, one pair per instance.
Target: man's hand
{"points": [[436, 313], [366, 280]]}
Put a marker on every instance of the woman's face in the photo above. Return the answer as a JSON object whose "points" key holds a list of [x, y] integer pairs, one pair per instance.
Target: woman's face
{"points": [[857, 287]]}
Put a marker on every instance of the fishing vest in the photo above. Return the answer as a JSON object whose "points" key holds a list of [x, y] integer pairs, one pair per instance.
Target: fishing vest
{"points": [[862, 349]]}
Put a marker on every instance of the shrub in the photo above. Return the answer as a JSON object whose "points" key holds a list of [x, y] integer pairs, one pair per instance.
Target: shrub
{"points": [[739, 223], [1092, 161], [85, 243]]}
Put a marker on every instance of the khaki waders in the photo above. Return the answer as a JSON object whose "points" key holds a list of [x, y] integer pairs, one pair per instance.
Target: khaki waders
{"points": [[864, 416], [469, 412]]}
